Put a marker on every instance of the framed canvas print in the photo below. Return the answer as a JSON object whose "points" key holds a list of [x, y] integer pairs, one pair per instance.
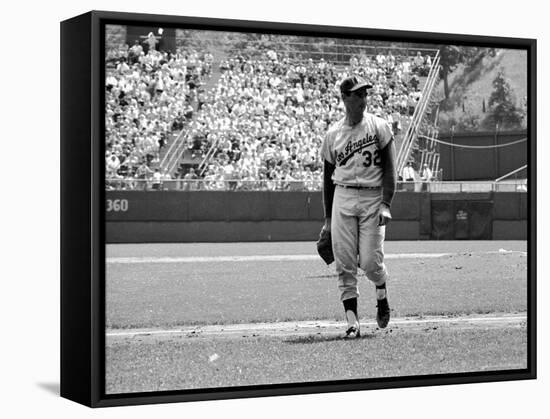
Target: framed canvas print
{"points": [[255, 208]]}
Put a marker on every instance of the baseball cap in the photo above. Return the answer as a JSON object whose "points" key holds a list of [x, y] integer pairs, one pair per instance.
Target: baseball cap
{"points": [[353, 83]]}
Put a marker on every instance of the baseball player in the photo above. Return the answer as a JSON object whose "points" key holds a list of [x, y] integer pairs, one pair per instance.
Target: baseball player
{"points": [[359, 185]]}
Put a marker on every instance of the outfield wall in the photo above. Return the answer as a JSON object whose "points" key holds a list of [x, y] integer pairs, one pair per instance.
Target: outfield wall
{"points": [[211, 216], [466, 164]]}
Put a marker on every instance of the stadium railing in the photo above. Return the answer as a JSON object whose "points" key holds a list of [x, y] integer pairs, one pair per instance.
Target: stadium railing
{"points": [[414, 127]]}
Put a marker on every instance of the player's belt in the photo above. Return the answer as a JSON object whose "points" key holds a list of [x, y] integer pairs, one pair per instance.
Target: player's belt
{"points": [[358, 186]]}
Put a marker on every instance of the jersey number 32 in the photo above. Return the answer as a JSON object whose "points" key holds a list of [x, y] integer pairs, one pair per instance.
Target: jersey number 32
{"points": [[372, 158]]}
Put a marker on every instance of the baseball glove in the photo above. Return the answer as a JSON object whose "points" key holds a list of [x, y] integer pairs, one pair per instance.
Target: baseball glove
{"points": [[324, 246]]}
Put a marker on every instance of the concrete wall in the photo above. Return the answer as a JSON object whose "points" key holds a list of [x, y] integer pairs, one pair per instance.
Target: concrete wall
{"points": [[172, 216], [462, 164]]}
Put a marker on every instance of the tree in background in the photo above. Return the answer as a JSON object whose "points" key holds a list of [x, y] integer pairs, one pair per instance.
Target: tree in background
{"points": [[502, 106], [451, 56]]}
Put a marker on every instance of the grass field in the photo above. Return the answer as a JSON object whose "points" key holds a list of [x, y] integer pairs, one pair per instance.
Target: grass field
{"points": [[182, 316]]}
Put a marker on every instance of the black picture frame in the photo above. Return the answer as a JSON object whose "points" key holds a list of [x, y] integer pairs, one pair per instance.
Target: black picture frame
{"points": [[83, 212]]}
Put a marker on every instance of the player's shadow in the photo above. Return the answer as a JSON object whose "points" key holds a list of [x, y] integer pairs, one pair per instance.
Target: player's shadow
{"points": [[328, 276], [320, 338], [360, 275]]}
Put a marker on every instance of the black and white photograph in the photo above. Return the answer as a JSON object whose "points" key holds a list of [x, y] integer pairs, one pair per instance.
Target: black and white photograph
{"points": [[287, 208]]}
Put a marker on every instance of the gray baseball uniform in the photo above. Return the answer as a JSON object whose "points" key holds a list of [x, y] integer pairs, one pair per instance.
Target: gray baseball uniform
{"points": [[359, 184], [358, 174]]}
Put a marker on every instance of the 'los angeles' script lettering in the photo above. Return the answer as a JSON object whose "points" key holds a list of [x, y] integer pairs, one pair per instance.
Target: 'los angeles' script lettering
{"points": [[353, 147]]}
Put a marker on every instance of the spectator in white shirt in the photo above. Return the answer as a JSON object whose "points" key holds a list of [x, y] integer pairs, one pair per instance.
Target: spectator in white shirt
{"points": [[408, 173], [113, 163], [426, 176], [426, 173], [157, 180], [418, 60]]}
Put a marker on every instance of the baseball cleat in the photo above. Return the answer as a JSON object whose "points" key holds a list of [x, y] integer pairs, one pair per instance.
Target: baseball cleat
{"points": [[353, 332], [382, 313]]}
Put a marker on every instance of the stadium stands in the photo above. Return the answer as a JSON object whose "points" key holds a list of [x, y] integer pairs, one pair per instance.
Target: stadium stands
{"points": [[262, 121], [148, 96]]}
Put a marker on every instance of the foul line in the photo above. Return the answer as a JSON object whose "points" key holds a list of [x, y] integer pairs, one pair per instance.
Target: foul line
{"points": [[286, 328], [276, 258]]}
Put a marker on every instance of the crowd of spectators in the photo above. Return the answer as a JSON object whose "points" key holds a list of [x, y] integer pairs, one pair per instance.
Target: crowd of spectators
{"points": [[148, 97], [264, 119]]}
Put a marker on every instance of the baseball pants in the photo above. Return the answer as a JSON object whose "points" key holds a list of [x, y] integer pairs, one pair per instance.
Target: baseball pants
{"points": [[357, 239]]}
